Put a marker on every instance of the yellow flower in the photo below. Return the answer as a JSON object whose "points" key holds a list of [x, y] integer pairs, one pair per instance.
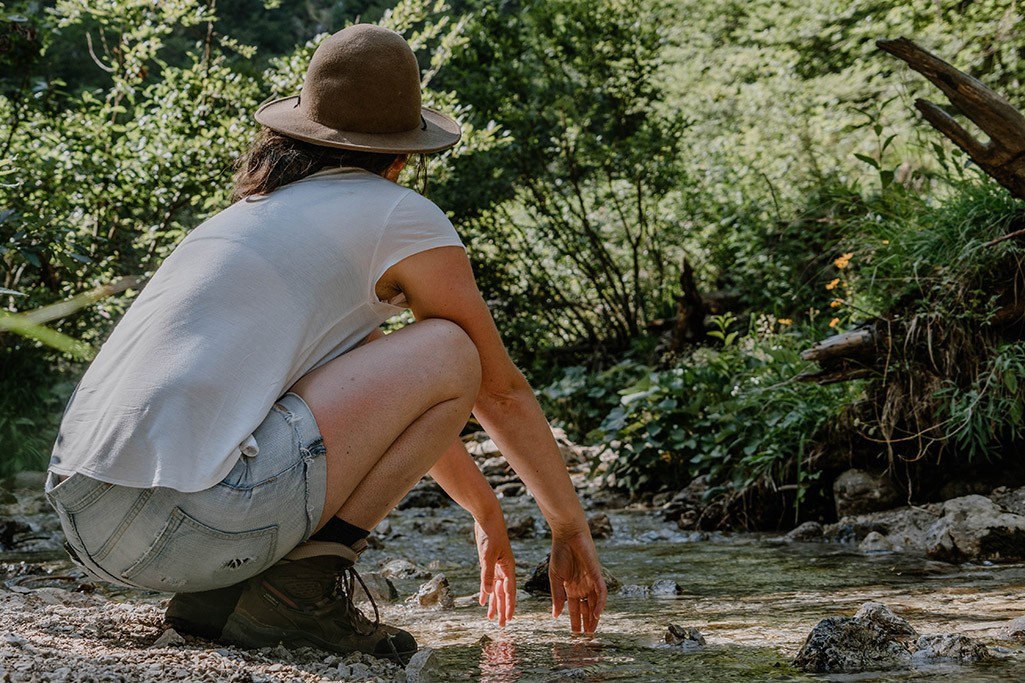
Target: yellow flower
{"points": [[832, 284], [834, 322], [785, 322], [836, 303], [886, 241], [844, 260]]}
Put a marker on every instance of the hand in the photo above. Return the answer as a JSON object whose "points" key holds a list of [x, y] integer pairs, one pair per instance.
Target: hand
{"points": [[575, 575], [497, 569]]}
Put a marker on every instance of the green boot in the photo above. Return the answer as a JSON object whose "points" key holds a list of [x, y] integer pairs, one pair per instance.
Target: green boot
{"points": [[306, 599]]}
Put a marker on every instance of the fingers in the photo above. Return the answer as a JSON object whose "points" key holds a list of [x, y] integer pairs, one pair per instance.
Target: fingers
{"points": [[558, 597]]}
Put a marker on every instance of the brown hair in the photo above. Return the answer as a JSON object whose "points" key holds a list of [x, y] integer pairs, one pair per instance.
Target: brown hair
{"points": [[275, 160]]}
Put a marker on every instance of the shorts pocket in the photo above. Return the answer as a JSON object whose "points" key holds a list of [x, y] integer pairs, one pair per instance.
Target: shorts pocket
{"points": [[188, 555]]}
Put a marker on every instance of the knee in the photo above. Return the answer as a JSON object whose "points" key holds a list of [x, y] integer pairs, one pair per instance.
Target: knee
{"points": [[455, 354]]}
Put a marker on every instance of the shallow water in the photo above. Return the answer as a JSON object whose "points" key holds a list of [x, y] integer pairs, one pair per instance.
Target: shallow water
{"points": [[755, 601]]}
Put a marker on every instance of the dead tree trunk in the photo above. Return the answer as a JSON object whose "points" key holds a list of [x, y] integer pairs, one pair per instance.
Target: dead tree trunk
{"points": [[690, 310], [1003, 157]]}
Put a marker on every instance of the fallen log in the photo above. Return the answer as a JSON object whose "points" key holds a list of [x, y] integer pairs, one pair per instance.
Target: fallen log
{"points": [[1003, 156]]}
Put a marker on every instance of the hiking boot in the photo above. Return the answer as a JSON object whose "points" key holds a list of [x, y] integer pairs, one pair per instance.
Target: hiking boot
{"points": [[306, 599], [203, 614]]}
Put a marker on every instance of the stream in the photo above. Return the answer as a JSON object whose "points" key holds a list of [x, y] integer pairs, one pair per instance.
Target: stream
{"points": [[754, 599]]}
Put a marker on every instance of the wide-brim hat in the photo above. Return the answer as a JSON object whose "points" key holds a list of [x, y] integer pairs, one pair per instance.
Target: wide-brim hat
{"points": [[362, 92]]}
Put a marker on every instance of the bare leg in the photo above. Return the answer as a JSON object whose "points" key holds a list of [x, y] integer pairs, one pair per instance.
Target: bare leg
{"points": [[387, 411]]}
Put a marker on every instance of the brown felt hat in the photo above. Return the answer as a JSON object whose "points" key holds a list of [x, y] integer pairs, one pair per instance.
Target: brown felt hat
{"points": [[362, 92]]}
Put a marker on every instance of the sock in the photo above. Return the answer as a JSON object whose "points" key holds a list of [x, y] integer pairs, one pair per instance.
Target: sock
{"points": [[339, 531]]}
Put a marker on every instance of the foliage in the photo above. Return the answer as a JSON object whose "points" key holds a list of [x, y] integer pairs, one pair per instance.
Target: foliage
{"points": [[571, 221], [733, 413], [101, 180]]}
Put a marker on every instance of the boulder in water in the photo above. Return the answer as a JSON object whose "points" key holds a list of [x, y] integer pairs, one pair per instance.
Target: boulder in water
{"points": [[949, 648], [849, 645], [976, 528]]}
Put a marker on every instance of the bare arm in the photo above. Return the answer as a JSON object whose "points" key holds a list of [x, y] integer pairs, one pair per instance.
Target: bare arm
{"points": [[457, 473], [439, 283]]}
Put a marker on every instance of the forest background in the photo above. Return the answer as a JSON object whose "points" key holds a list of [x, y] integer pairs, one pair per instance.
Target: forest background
{"points": [[618, 157]]}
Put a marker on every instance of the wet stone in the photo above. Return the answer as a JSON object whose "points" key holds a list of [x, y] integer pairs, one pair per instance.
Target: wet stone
{"points": [[875, 542], [403, 569], [435, 594], [510, 490], [1014, 629], [895, 627], [600, 525], [809, 531], [685, 637], [634, 591], [523, 526], [377, 587], [666, 588], [849, 645], [949, 648]]}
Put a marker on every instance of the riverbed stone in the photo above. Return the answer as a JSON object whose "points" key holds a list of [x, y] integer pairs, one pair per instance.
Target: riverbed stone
{"points": [[1011, 499], [523, 526], [808, 531], [905, 527], [849, 645], [858, 491], [538, 583], [600, 525], [378, 587], [875, 542], [424, 667], [976, 528], [435, 594], [1014, 629], [882, 616], [427, 497], [955, 648], [686, 637], [666, 588], [400, 568]]}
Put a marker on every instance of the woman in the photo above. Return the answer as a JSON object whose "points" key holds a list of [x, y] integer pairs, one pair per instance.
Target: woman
{"points": [[246, 424]]}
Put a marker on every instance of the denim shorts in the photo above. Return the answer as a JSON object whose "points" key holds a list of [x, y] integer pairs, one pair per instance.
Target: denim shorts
{"points": [[165, 540]]}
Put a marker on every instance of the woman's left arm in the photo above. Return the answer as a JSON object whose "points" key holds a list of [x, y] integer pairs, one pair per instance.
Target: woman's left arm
{"points": [[439, 283]]}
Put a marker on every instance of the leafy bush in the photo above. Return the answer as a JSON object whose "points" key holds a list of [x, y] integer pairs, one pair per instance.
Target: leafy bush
{"points": [[734, 413]]}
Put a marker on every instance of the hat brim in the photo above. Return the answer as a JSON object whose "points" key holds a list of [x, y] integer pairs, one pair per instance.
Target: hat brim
{"points": [[284, 116]]}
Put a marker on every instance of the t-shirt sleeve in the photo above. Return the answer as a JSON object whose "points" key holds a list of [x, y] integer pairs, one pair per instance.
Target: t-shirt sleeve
{"points": [[416, 224]]}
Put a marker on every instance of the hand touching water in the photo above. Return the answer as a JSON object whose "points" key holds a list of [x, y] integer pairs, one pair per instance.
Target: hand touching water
{"points": [[497, 569], [576, 579]]}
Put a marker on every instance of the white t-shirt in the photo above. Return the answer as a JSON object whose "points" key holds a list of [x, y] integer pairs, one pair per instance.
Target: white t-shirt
{"points": [[249, 302]]}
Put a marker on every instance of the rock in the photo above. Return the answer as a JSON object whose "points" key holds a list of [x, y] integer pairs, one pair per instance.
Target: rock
{"points": [[687, 637], [850, 645], [895, 627], [6, 497], [666, 588], [635, 591], [379, 588], [425, 498], [904, 527], [976, 528], [538, 582], [949, 648], [168, 638], [522, 527], [1012, 500], [510, 490], [403, 569], [1014, 629], [384, 528], [685, 507], [495, 467], [809, 531], [435, 594], [875, 542], [857, 491], [9, 528], [600, 525], [423, 667]]}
